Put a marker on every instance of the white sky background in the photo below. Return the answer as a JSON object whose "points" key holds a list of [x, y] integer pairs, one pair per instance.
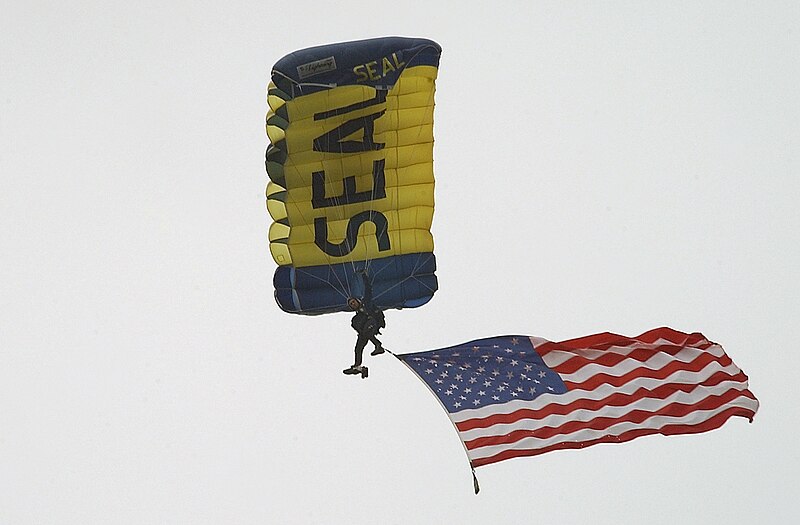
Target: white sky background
{"points": [[600, 166]]}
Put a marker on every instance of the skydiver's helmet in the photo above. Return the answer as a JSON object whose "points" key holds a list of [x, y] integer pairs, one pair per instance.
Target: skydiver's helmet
{"points": [[354, 303]]}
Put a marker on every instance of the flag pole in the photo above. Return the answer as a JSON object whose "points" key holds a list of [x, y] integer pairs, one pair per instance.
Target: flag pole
{"points": [[475, 484]]}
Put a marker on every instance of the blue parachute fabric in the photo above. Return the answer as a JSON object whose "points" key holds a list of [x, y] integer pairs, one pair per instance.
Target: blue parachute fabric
{"points": [[404, 281], [317, 68]]}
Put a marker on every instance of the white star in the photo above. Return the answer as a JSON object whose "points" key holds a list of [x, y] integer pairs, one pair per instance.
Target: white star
{"points": [[496, 398], [428, 371], [448, 392], [510, 351], [481, 369], [448, 364], [495, 372], [499, 359], [514, 394], [439, 381], [472, 380], [476, 402], [487, 383], [533, 390], [501, 388], [514, 362], [458, 377], [457, 404], [467, 390], [443, 374], [476, 348], [514, 340], [481, 393], [542, 373], [454, 387], [550, 388], [528, 368], [462, 397]]}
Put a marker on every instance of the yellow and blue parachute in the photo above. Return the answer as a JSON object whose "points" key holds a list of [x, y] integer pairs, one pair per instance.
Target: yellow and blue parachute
{"points": [[350, 163]]}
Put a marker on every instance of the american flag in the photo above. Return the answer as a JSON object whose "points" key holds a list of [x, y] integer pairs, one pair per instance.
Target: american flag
{"points": [[514, 396]]}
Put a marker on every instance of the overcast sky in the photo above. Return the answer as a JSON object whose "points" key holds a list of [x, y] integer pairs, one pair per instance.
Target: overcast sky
{"points": [[600, 166]]}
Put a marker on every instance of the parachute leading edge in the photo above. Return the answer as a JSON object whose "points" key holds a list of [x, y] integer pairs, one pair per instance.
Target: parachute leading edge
{"points": [[351, 174]]}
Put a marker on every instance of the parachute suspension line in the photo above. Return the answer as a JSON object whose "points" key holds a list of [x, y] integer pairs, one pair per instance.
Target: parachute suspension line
{"points": [[475, 485], [339, 212], [336, 209], [373, 189], [342, 286], [429, 105], [339, 286], [373, 193], [419, 125]]}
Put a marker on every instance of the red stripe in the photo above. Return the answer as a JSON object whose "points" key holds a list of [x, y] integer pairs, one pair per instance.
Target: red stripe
{"points": [[616, 399], [675, 336], [662, 373], [608, 339], [550, 346], [602, 423], [578, 361], [711, 424]]}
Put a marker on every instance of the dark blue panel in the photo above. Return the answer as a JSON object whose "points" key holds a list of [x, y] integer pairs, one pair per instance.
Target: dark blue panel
{"points": [[498, 369], [346, 63], [403, 281]]}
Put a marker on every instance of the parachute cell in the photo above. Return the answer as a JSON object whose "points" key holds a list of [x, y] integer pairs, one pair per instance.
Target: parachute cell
{"points": [[350, 163]]}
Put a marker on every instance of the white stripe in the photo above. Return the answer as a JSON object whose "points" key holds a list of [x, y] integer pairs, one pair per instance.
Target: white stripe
{"points": [[557, 357], [583, 415], [602, 391], [537, 341], [654, 423], [657, 362], [662, 341]]}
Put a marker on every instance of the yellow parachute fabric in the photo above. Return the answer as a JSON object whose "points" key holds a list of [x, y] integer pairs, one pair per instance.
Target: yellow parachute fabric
{"points": [[351, 168]]}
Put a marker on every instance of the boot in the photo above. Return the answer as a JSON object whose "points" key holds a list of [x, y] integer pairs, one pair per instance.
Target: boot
{"points": [[357, 369]]}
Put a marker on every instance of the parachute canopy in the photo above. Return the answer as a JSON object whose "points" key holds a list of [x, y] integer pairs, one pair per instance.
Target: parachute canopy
{"points": [[350, 163]]}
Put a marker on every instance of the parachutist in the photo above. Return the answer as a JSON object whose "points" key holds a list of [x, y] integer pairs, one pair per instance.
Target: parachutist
{"points": [[368, 322]]}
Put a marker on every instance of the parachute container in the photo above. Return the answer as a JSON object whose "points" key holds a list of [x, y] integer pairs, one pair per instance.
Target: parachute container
{"points": [[350, 163]]}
